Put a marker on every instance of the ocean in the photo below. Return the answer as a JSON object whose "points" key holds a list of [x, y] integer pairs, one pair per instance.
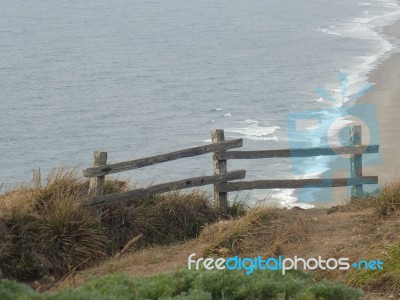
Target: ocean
{"points": [[138, 78]]}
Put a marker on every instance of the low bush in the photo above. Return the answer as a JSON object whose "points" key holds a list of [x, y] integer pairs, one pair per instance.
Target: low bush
{"points": [[186, 284]]}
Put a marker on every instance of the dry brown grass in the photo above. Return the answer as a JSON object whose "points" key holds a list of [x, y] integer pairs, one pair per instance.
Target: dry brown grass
{"points": [[263, 230], [146, 261], [352, 230], [162, 219], [49, 231], [388, 200]]}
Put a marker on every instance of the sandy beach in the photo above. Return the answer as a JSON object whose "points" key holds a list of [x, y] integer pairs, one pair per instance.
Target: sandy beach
{"points": [[386, 95]]}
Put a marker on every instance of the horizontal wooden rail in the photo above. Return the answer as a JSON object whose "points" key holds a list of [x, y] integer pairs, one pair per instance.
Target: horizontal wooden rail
{"points": [[167, 187], [148, 161], [299, 152], [296, 183]]}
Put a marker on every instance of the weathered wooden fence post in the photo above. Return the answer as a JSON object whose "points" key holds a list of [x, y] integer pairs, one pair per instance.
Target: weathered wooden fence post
{"points": [[220, 166], [37, 178], [96, 185], [356, 161]]}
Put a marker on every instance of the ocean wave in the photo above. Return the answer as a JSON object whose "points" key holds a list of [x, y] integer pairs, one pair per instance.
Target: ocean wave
{"points": [[249, 121], [367, 27], [286, 198], [255, 132], [327, 31]]}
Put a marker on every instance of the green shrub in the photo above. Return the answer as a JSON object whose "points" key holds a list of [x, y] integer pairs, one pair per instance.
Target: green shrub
{"points": [[329, 290], [199, 285], [10, 290]]}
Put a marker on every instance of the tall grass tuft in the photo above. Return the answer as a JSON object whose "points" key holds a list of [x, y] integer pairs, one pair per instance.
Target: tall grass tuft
{"points": [[161, 219], [388, 199], [74, 237], [48, 230], [262, 230]]}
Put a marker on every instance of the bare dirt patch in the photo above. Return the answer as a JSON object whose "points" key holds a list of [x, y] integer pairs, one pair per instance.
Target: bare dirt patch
{"points": [[354, 230]]}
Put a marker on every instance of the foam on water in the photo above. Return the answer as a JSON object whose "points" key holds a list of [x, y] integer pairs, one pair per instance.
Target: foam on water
{"points": [[286, 198], [249, 121], [369, 27], [328, 31], [255, 132]]}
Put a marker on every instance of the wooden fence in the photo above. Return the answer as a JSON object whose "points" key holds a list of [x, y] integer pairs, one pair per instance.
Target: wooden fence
{"points": [[223, 180]]}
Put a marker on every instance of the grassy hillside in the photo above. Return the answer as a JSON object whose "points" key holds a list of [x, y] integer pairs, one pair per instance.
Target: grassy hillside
{"points": [[51, 240]]}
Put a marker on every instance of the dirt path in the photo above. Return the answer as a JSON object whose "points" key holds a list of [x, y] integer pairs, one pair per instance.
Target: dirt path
{"points": [[355, 231]]}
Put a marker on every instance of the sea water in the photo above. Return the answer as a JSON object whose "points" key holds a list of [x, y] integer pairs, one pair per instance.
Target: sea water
{"points": [[138, 78]]}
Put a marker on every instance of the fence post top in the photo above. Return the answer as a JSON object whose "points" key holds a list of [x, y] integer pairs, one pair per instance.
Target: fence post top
{"points": [[98, 152], [217, 130]]}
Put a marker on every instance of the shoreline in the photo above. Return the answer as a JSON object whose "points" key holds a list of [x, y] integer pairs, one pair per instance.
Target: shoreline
{"points": [[385, 95]]}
